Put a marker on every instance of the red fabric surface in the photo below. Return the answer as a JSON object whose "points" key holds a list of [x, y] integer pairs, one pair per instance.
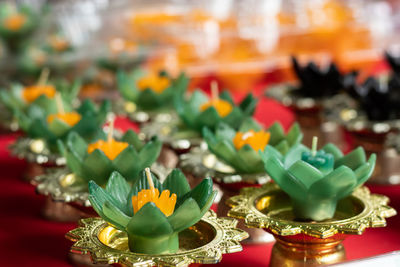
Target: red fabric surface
{"points": [[26, 239]]}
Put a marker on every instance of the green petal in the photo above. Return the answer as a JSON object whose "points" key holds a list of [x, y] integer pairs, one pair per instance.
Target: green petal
{"points": [[209, 203], [364, 172], [304, 172], [98, 197], [176, 183], [334, 150], [114, 216], [270, 151], [150, 152], [87, 107], [200, 193], [250, 160], [352, 160], [247, 125], [59, 127], [132, 138], [294, 135], [117, 187], [225, 151], [294, 154], [197, 99], [248, 105], [76, 143], [224, 131], [185, 216], [283, 147], [128, 163], [142, 183], [208, 118], [127, 86], [149, 221], [286, 182], [277, 133], [334, 184], [75, 163], [209, 137], [97, 167], [235, 118]]}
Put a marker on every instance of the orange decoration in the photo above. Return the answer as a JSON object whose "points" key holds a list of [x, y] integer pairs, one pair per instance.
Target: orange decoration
{"points": [[58, 43], [223, 107], [111, 147], [164, 202], [154, 82], [30, 93], [14, 22], [257, 140], [70, 118]]}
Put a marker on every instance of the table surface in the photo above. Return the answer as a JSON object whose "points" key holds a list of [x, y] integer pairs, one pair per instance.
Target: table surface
{"points": [[27, 239]]}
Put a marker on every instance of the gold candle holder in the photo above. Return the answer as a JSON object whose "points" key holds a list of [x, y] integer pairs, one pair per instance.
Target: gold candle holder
{"points": [[37, 154], [199, 162], [205, 243], [67, 195], [303, 243]]}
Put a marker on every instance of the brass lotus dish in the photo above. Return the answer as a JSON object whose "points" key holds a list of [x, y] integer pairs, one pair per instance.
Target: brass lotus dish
{"points": [[268, 207], [202, 163], [35, 151], [204, 242]]}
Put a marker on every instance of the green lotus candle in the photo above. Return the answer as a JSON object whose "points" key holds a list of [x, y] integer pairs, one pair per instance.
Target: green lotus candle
{"points": [[97, 160], [39, 123], [151, 91], [41, 94], [150, 212], [240, 148], [200, 111], [16, 23], [317, 180]]}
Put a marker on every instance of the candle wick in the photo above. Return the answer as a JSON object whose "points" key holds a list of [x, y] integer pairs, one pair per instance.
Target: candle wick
{"points": [[59, 103], [214, 91], [44, 76], [149, 179], [314, 146], [110, 130]]}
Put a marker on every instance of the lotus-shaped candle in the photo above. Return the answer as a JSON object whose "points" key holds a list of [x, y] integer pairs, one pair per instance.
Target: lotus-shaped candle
{"points": [[87, 121], [316, 82], [150, 212], [16, 22], [378, 99], [151, 91], [200, 111], [96, 161], [316, 181], [240, 148], [42, 94]]}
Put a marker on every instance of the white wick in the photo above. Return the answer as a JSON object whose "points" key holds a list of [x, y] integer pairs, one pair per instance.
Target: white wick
{"points": [[314, 146]]}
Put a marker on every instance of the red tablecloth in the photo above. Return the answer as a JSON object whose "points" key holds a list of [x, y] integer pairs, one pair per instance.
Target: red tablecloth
{"points": [[26, 239]]}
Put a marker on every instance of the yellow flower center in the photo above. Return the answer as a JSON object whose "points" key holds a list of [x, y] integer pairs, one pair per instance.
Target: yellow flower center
{"points": [[164, 202], [58, 43], [111, 148], [223, 107], [32, 92], [257, 140], [14, 22], [154, 82], [70, 118]]}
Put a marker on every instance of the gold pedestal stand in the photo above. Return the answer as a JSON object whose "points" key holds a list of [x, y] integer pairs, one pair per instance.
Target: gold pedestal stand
{"points": [[308, 243]]}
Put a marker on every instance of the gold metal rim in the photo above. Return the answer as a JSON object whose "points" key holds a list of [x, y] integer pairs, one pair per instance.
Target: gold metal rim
{"points": [[373, 214], [227, 240]]}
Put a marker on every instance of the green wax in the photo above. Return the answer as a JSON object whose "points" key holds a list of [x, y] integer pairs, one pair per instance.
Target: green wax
{"points": [[321, 160]]}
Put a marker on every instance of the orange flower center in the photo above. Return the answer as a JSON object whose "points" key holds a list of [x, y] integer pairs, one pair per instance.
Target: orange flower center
{"points": [[32, 92], [223, 107], [164, 202], [111, 148], [70, 118], [154, 82], [257, 140], [14, 22], [58, 43], [119, 45]]}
